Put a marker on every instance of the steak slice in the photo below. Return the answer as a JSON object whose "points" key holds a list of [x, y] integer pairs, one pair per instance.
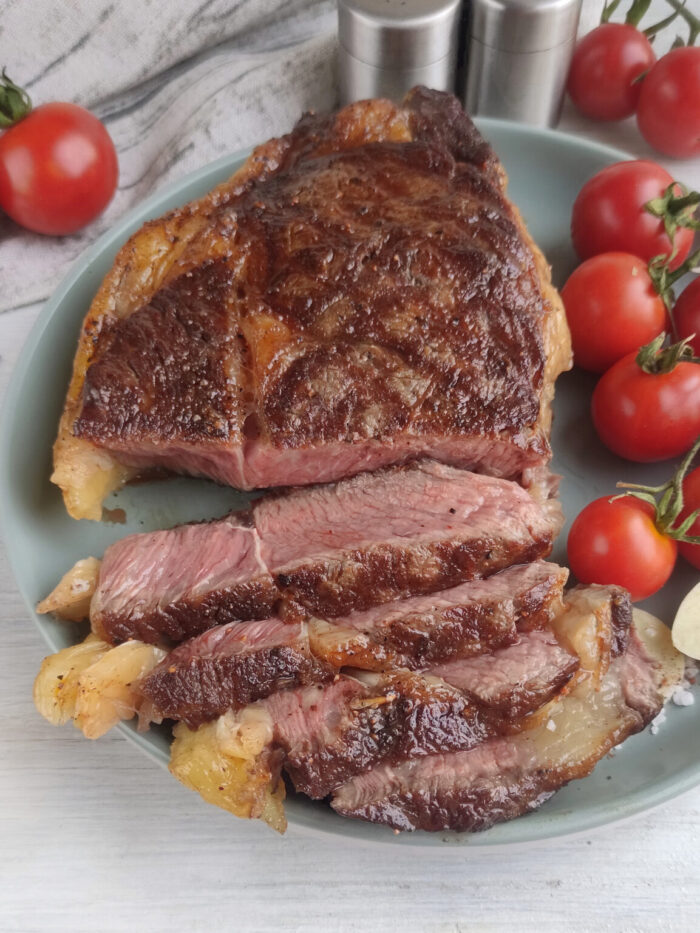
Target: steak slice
{"points": [[171, 585], [331, 733], [460, 622], [360, 294], [515, 680], [507, 776], [396, 533], [234, 664], [354, 544], [231, 666]]}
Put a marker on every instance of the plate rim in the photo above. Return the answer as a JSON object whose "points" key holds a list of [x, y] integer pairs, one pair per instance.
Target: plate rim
{"points": [[604, 816]]}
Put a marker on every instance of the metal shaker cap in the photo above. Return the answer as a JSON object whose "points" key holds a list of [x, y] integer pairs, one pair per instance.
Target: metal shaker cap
{"points": [[524, 25], [398, 33]]}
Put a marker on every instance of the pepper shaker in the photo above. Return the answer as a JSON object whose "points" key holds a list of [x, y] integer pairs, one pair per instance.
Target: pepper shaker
{"points": [[518, 57], [386, 47]]}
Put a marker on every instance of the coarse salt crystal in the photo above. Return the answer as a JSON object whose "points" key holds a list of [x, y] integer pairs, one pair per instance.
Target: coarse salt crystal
{"points": [[657, 722], [551, 725], [683, 697]]}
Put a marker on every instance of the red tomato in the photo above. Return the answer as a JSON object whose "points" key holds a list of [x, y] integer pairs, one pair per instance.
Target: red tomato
{"points": [[607, 61], [612, 308], [58, 169], [686, 314], [647, 416], [617, 542], [668, 114], [609, 213], [691, 502]]}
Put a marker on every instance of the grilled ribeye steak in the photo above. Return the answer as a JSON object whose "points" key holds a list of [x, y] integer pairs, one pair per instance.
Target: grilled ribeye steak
{"points": [[232, 665], [507, 776], [366, 540], [359, 294], [460, 622]]}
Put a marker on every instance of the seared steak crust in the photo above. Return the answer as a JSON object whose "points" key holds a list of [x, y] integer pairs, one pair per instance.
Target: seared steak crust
{"points": [[231, 666], [163, 372], [460, 622], [506, 776], [331, 733], [513, 680], [364, 294]]}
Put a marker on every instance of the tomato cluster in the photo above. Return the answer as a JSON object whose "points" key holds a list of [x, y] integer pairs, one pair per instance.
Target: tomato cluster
{"points": [[633, 226], [615, 73]]}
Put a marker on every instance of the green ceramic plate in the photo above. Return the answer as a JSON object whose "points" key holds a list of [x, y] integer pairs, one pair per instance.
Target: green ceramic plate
{"points": [[546, 171]]}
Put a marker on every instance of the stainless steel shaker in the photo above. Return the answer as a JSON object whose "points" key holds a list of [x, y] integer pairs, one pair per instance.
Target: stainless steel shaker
{"points": [[386, 47], [518, 56]]}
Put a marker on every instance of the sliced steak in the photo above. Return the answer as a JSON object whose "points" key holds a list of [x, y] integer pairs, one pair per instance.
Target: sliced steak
{"points": [[509, 775], [331, 549], [515, 680], [171, 585], [396, 533], [463, 621], [331, 733], [231, 666]]}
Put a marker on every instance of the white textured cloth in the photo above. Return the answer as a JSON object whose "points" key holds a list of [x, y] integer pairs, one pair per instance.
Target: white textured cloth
{"points": [[177, 82]]}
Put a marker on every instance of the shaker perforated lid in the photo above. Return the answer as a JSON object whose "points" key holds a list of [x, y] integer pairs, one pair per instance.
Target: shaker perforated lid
{"points": [[524, 25], [398, 33]]}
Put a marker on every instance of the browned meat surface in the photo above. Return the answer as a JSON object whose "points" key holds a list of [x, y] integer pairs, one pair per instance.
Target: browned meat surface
{"points": [[351, 545], [172, 585], [231, 666], [460, 622], [506, 776], [515, 680], [330, 733], [360, 294]]}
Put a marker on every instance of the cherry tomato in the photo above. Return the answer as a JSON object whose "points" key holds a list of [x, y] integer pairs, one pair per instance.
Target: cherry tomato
{"points": [[687, 314], [691, 502], [616, 541], [58, 169], [609, 213], [668, 113], [647, 416], [604, 70], [612, 308]]}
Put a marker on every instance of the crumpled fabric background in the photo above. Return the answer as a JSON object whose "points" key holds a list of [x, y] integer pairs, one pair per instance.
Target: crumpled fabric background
{"points": [[178, 84]]}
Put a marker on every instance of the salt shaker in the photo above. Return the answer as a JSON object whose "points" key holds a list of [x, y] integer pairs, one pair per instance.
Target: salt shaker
{"points": [[518, 56], [386, 47]]}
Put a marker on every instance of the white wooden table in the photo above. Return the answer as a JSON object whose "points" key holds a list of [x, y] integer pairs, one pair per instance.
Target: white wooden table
{"points": [[96, 838]]}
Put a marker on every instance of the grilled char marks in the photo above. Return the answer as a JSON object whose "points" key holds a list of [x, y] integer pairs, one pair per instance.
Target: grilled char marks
{"points": [[409, 291], [376, 290], [168, 371]]}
